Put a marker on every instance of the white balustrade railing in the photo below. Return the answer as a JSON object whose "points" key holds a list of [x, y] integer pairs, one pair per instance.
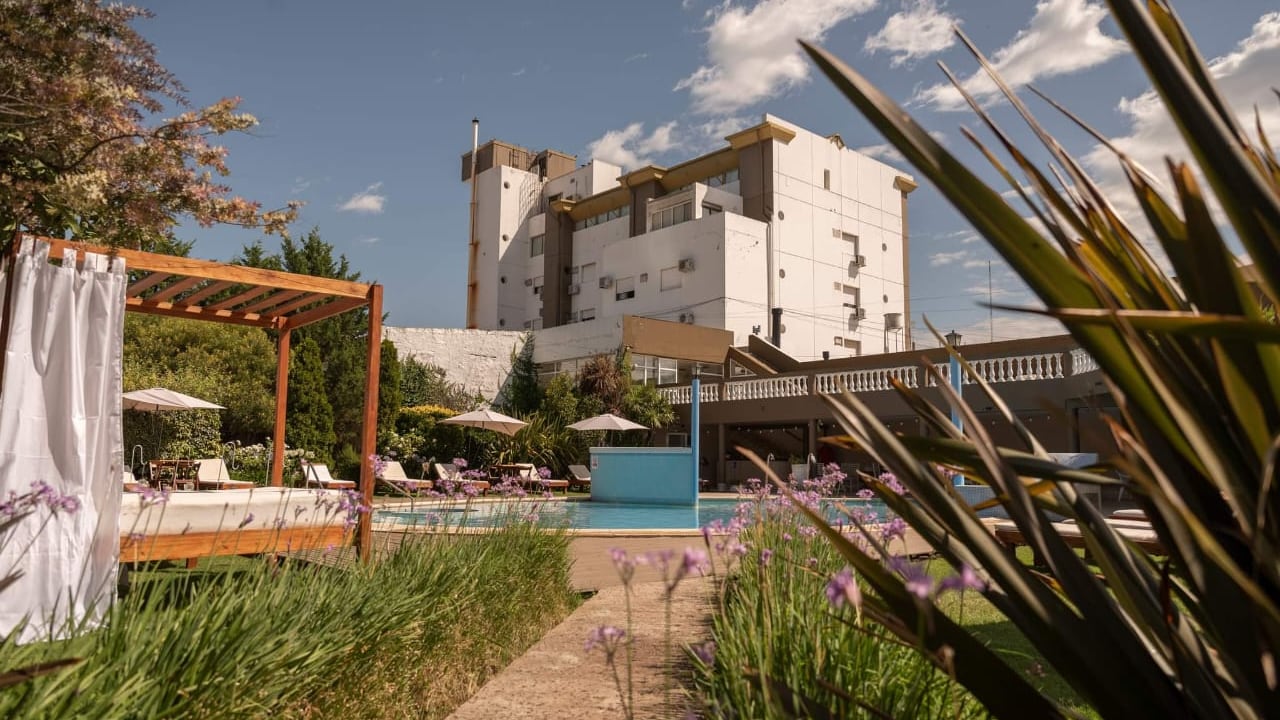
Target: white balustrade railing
{"points": [[767, 388], [865, 380], [684, 395], [1082, 362], [1015, 368]]}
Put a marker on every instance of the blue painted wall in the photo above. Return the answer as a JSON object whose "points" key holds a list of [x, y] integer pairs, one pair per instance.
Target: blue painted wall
{"points": [[645, 475]]}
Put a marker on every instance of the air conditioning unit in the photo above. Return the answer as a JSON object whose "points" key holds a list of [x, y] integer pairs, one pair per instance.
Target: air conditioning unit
{"points": [[528, 282], [860, 313], [686, 265], [606, 282], [686, 318], [575, 288], [860, 260]]}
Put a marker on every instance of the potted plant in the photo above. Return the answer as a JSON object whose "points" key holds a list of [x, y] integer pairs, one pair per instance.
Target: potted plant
{"points": [[799, 468]]}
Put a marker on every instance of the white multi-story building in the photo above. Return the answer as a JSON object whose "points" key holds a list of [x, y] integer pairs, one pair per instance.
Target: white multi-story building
{"points": [[784, 234]]}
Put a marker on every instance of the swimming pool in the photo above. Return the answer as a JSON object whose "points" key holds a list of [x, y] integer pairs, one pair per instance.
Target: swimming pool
{"points": [[586, 515]]}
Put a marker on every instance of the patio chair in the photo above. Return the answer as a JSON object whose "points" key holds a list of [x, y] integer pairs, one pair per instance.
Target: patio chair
{"points": [[393, 477], [318, 474], [580, 477], [449, 473], [212, 474]]}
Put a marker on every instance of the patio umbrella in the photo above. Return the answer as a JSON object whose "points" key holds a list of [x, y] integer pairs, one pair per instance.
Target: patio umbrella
{"points": [[607, 421], [163, 399], [487, 420]]}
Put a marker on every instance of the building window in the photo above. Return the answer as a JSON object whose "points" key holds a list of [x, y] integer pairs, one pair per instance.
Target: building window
{"points": [[537, 286], [672, 278], [537, 245], [711, 209], [587, 314], [852, 240], [826, 179], [604, 217], [673, 215], [624, 288], [723, 178], [838, 341], [854, 346]]}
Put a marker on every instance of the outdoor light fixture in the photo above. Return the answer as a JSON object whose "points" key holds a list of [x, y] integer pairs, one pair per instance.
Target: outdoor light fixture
{"points": [[953, 338]]}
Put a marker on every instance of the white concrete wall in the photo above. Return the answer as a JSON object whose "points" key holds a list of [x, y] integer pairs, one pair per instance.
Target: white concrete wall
{"points": [[506, 199], [588, 248], [814, 256], [479, 360], [577, 340], [746, 294]]}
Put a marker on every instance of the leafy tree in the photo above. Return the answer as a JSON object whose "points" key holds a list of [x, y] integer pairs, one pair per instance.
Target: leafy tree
{"points": [[522, 394], [340, 341], [82, 148], [389, 397], [310, 419], [606, 379], [645, 405], [239, 361]]}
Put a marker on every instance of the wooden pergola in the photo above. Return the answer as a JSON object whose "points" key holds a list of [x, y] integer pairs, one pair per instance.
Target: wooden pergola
{"points": [[220, 292]]}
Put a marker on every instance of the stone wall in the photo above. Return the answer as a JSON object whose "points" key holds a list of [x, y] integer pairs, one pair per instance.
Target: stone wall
{"points": [[479, 360]]}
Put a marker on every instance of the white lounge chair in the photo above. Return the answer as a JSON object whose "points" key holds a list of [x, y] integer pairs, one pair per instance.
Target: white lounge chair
{"points": [[394, 477], [318, 474], [449, 473], [213, 475], [580, 477]]}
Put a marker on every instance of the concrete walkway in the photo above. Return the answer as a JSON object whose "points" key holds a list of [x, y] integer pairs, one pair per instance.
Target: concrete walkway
{"points": [[556, 678]]}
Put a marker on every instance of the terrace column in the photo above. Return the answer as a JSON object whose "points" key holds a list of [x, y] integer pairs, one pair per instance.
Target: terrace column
{"points": [[282, 397]]}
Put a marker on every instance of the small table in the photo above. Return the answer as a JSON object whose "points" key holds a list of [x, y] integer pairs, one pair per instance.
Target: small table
{"points": [[175, 474]]}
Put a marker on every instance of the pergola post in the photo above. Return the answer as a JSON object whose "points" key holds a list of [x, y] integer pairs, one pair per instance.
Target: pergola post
{"points": [[369, 425], [282, 397]]}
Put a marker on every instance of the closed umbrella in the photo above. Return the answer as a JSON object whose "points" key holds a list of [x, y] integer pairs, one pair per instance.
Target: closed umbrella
{"points": [[487, 420]]}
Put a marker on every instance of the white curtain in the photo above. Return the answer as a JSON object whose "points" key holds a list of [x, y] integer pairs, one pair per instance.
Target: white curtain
{"points": [[60, 424]]}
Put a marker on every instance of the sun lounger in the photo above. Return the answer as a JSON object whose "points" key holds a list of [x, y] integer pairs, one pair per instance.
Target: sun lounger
{"points": [[318, 474], [449, 473], [1130, 514], [393, 476], [580, 477], [1139, 532], [213, 475]]}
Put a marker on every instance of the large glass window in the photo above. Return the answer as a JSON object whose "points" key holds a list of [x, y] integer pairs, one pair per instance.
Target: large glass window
{"points": [[537, 245], [673, 215]]}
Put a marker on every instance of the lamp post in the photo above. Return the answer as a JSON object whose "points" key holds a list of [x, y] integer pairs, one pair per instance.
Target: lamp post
{"points": [[957, 384]]}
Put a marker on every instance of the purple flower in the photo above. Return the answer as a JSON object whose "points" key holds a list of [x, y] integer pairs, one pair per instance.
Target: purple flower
{"points": [[891, 481], [842, 589], [247, 519], [865, 494], [279, 523], [915, 578], [965, 579], [893, 530], [736, 548], [705, 652], [765, 556], [605, 637], [544, 472], [460, 463], [137, 537], [786, 536], [152, 496]]}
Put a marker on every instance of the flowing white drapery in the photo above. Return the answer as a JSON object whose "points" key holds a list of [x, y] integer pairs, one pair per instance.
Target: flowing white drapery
{"points": [[60, 425]]}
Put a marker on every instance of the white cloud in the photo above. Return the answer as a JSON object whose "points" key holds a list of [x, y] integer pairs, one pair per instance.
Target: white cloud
{"points": [[370, 240], [637, 56], [519, 72], [300, 185], [1063, 37], [946, 258], [366, 201], [630, 147], [982, 263], [921, 29], [1010, 327], [1244, 78], [752, 53]]}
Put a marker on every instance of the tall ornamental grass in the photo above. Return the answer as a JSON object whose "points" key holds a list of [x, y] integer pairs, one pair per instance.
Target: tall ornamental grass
{"points": [[789, 640], [408, 636], [1194, 369]]}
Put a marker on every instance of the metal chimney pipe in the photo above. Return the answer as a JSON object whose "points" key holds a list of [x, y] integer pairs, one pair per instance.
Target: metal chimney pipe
{"points": [[473, 288]]}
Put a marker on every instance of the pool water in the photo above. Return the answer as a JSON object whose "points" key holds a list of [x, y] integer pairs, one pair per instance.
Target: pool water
{"points": [[586, 515]]}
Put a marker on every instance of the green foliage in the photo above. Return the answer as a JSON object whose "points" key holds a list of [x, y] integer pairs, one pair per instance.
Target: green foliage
{"points": [[606, 379], [341, 340], [560, 402], [310, 419], [420, 436], [389, 397], [426, 384], [522, 394], [177, 434], [807, 659], [1198, 374], [542, 442], [246, 639], [233, 367]]}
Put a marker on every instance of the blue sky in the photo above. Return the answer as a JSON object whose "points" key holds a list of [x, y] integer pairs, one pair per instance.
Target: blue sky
{"points": [[365, 108]]}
